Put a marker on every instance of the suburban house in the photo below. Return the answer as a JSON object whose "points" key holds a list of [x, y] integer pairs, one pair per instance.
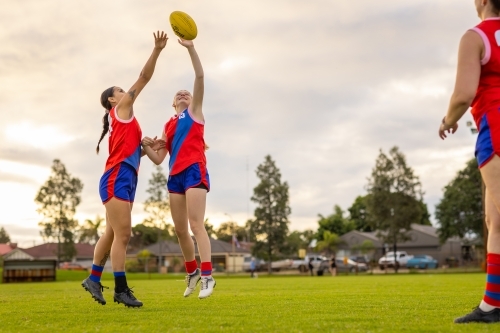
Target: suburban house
{"points": [[225, 256], [48, 251], [6, 248], [423, 240]]}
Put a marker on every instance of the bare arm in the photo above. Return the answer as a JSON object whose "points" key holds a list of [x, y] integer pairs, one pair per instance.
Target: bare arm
{"points": [[466, 83], [199, 85], [124, 107]]}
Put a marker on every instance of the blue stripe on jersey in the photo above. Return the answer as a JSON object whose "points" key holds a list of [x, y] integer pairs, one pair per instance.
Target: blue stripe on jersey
{"points": [[184, 124], [135, 159]]}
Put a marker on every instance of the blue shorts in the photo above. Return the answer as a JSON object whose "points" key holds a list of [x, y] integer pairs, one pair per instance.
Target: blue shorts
{"points": [[120, 182], [194, 176], [488, 139]]}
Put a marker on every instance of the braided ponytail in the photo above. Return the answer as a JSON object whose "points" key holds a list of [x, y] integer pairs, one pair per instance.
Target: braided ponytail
{"points": [[105, 129], [105, 121]]}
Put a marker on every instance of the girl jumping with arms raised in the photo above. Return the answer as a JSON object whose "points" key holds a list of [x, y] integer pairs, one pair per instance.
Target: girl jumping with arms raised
{"points": [[188, 181], [118, 184]]}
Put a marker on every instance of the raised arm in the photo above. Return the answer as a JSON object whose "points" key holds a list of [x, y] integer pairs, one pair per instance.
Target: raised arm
{"points": [[199, 85], [124, 107]]}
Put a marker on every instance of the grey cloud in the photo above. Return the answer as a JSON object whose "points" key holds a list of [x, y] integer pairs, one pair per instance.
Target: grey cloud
{"points": [[309, 94]]}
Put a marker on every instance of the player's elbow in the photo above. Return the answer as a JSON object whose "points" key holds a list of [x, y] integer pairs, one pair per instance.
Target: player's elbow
{"points": [[144, 76], [463, 98], [200, 75]]}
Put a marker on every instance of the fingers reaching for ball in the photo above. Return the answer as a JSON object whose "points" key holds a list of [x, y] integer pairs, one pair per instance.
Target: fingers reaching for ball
{"points": [[185, 42], [160, 39]]}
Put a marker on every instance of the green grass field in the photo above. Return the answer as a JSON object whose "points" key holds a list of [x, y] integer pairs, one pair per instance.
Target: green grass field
{"points": [[387, 303]]}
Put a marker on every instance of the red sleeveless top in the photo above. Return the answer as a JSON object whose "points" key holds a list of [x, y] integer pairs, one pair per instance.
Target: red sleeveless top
{"points": [[124, 141]]}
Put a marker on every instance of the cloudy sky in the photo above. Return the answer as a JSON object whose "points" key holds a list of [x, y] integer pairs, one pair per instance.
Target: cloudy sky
{"points": [[319, 85]]}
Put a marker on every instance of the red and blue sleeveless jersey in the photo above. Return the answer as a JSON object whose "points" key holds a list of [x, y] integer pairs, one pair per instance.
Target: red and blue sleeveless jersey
{"points": [[185, 142], [124, 141], [488, 91]]}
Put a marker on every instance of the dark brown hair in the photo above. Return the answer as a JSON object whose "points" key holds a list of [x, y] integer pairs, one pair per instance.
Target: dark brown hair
{"points": [[106, 94], [496, 4]]}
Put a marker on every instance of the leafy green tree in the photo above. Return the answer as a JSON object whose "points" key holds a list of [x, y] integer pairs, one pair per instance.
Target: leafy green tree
{"points": [[143, 257], [297, 240], [329, 243], [90, 231], [460, 212], [57, 200], [226, 230], [395, 195], [425, 218], [4, 236], [335, 223], [157, 205], [358, 214], [146, 234], [158, 208], [270, 225], [210, 228], [365, 247]]}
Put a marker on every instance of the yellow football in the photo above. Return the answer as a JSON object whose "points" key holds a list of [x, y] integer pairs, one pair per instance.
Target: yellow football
{"points": [[183, 25]]}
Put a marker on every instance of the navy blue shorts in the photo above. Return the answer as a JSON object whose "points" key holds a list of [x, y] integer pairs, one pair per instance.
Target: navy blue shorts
{"points": [[194, 176], [120, 182]]}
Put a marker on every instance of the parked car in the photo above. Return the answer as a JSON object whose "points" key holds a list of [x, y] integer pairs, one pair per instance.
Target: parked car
{"points": [[260, 264], [281, 265], [360, 259], [388, 260], [324, 267], [72, 266], [303, 264], [422, 262]]}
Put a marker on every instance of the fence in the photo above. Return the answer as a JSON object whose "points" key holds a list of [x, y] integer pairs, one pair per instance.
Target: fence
{"points": [[29, 271]]}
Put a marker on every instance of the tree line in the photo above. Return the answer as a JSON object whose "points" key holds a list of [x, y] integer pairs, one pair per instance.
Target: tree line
{"points": [[392, 203]]}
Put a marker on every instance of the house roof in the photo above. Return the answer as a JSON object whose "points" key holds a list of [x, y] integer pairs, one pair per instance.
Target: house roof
{"points": [[429, 236], [17, 254], [171, 247], [83, 250], [6, 248]]}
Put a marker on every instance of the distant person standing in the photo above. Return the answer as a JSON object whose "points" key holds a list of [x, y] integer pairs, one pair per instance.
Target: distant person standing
{"points": [[477, 85], [252, 267], [311, 266], [333, 266]]}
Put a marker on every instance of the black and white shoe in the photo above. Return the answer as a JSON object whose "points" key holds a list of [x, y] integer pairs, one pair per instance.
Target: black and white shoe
{"points": [[191, 282], [207, 287], [479, 316], [95, 289], [127, 297]]}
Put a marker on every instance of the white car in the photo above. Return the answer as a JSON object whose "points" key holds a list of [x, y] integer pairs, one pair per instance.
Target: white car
{"points": [[388, 260], [303, 264]]}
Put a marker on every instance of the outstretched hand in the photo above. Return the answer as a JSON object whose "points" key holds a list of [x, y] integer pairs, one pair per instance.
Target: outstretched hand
{"points": [[185, 42], [443, 129], [158, 144], [160, 39]]}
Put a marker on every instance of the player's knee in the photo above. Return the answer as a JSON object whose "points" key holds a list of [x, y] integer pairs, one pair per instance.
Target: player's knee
{"points": [[198, 229], [492, 221], [123, 236], [181, 232]]}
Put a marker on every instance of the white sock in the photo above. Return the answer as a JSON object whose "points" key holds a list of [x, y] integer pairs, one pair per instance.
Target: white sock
{"points": [[486, 307]]}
